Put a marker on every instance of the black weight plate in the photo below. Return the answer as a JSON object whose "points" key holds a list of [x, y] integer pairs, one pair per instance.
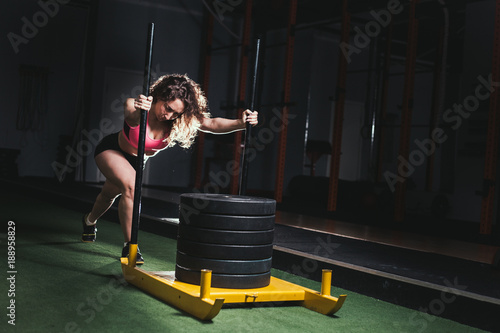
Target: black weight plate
{"points": [[225, 252], [229, 237], [246, 281], [226, 204], [224, 266], [225, 222]]}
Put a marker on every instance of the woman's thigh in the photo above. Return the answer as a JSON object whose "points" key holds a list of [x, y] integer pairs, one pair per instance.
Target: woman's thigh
{"points": [[117, 170]]}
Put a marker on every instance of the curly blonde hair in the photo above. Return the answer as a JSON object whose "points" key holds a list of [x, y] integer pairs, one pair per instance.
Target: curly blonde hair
{"points": [[185, 127]]}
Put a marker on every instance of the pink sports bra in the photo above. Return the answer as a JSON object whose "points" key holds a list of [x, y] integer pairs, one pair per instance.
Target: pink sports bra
{"points": [[151, 145]]}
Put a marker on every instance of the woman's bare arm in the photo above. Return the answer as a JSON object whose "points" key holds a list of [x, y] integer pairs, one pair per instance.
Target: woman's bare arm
{"points": [[133, 105], [224, 125]]}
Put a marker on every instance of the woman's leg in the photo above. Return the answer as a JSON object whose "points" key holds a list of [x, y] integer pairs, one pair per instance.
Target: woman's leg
{"points": [[104, 201], [120, 177]]}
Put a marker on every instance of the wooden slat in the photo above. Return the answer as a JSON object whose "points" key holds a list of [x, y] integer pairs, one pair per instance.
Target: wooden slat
{"points": [[280, 167], [339, 112], [491, 155], [407, 109]]}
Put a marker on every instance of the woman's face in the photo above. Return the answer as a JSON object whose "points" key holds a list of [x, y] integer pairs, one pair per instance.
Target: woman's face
{"points": [[169, 110]]}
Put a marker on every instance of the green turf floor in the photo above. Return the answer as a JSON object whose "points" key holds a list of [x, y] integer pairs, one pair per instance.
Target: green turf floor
{"points": [[64, 285]]}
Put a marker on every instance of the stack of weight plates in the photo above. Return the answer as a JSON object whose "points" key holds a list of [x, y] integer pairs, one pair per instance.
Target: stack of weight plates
{"points": [[230, 235]]}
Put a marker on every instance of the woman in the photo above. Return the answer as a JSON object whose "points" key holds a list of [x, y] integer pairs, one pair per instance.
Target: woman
{"points": [[177, 109]]}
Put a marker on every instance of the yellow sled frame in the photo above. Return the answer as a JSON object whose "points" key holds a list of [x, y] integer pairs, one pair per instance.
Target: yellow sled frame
{"points": [[205, 302]]}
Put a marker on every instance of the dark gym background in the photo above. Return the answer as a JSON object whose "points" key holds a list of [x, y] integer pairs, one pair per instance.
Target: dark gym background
{"points": [[92, 53], [68, 65]]}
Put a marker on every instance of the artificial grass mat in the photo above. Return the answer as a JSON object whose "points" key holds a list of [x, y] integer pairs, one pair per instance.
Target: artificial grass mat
{"points": [[64, 285]]}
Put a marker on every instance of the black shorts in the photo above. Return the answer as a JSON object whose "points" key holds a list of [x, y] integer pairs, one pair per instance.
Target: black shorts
{"points": [[110, 142]]}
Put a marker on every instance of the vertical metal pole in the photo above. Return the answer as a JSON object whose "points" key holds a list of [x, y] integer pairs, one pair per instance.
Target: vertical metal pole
{"points": [[373, 98], [339, 112], [245, 44], [280, 168], [383, 101], [140, 151], [407, 108], [491, 155], [248, 132], [208, 28], [436, 105]]}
